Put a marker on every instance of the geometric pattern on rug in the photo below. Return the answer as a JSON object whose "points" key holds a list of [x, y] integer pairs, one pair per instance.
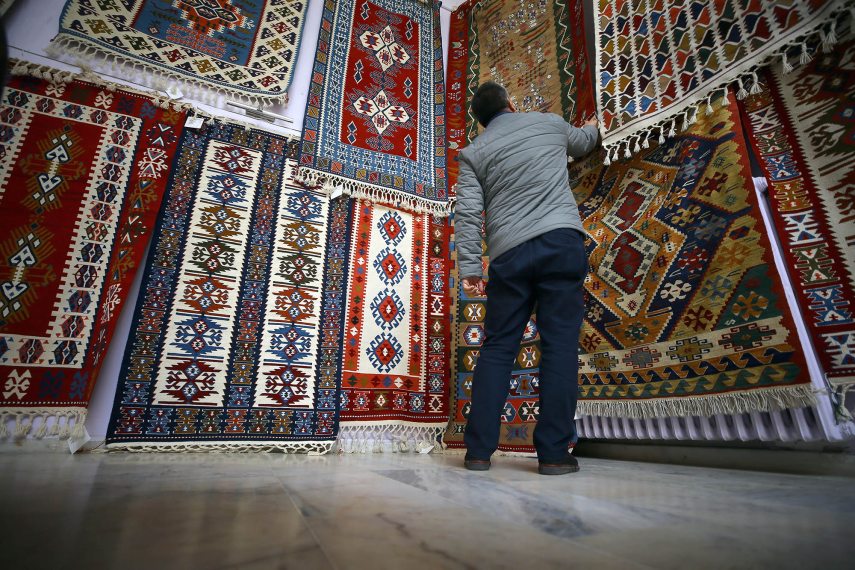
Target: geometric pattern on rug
{"points": [[802, 127], [659, 63], [374, 123], [685, 311], [522, 407], [240, 48], [484, 39], [83, 168], [396, 358], [234, 339], [685, 314], [536, 50]]}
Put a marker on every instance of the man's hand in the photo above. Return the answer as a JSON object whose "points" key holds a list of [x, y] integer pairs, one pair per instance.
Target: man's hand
{"points": [[474, 286], [592, 121]]}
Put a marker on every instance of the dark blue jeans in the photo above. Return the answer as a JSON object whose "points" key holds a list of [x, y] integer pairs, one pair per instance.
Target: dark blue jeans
{"points": [[547, 272]]}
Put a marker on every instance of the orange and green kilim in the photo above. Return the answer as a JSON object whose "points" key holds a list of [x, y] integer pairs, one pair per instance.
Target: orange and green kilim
{"points": [[685, 313]]}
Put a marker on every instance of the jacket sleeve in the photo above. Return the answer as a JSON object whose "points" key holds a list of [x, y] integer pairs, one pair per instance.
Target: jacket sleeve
{"points": [[467, 220], [581, 141]]}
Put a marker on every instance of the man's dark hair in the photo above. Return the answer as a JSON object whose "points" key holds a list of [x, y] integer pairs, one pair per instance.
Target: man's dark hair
{"points": [[489, 100]]}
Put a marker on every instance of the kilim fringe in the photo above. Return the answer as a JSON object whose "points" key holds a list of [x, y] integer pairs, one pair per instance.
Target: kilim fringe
{"points": [[743, 79], [79, 52], [758, 400], [68, 422], [841, 411], [365, 191], [389, 438], [309, 448], [51, 75]]}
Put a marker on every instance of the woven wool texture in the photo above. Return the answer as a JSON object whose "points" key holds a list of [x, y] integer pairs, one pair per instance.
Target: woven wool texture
{"points": [[83, 168], [396, 358], [537, 50], [659, 60], [685, 314], [236, 335], [375, 124], [802, 128], [242, 48]]}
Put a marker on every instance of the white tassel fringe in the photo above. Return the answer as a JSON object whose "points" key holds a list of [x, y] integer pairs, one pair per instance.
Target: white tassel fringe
{"points": [[389, 438]]}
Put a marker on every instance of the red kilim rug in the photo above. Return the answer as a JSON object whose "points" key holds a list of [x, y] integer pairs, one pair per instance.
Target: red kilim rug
{"points": [[82, 173], [394, 385], [802, 127]]}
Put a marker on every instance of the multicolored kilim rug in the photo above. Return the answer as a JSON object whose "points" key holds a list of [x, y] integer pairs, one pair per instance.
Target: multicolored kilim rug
{"points": [[659, 61], [522, 407], [375, 124], [484, 39], [538, 52], [685, 311], [802, 127], [241, 48], [396, 358], [235, 342], [83, 168]]}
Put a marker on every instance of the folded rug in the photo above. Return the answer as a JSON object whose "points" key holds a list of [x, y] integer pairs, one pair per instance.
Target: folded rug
{"points": [[801, 126], [686, 314], [660, 62]]}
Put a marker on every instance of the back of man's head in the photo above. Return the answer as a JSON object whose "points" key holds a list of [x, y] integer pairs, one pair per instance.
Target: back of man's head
{"points": [[489, 100]]}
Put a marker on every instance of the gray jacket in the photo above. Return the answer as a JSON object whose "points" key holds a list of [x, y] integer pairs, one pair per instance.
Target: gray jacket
{"points": [[516, 171]]}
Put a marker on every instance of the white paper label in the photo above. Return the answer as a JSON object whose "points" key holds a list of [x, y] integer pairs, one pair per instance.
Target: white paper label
{"points": [[194, 122]]}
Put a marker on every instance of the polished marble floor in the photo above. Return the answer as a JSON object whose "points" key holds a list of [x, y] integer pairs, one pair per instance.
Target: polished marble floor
{"points": [[159, 511]]}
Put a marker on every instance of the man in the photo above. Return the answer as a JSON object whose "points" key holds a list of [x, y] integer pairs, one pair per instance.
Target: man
{"points": [[516, 172]]}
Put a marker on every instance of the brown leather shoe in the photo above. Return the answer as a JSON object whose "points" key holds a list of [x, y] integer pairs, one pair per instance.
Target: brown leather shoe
{"points": [[473, 464], [568, 464]]}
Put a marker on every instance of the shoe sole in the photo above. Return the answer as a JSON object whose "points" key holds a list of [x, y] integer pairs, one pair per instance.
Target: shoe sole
{"points": [[557, 469], [477, 465]]}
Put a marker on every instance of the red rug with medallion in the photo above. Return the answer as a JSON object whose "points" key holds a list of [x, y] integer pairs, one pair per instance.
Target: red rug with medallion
{"points": [[83, 169]]}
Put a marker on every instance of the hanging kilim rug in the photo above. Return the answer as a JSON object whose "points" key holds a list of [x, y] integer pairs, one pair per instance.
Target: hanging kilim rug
{"points": [[83, 169], [659, 62], [537, 50], [375, 124], [685, 311], [802, 127], [396, 338], [235, 341], [484, 40], [240, 48]]}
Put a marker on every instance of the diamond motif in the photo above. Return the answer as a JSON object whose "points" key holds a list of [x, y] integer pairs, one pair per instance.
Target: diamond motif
{"points": [[390, 266], [388, 309], [386, 49], [381, 111], [392, 227], [384, 352]]}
